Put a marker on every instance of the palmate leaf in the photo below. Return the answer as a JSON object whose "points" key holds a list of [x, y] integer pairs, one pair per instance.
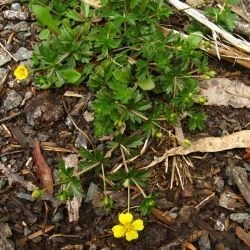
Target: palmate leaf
{"points": [[123, 75], [94, 158], [72, 184], [148, 204], [122, 178], [129, 142]]}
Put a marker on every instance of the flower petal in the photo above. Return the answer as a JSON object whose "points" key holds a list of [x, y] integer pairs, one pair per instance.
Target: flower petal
{"points": [[118, 231], [131, 235], [21, 72], [125, 218], [138, 225]]}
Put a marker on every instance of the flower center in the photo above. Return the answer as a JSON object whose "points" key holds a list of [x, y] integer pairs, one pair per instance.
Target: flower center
{"points": [[128, 227]]}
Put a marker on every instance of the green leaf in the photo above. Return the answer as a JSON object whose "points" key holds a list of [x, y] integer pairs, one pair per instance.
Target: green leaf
{"points": [[147, 84], [44, 34], [70, 75], [232, 1], [45, 18], [194, 39], [73, 14], [123, 75], [148, 204], [85, 8]]}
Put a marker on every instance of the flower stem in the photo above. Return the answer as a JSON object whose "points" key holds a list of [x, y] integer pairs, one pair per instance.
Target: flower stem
{"points": [[104, 182], [126, 169]]}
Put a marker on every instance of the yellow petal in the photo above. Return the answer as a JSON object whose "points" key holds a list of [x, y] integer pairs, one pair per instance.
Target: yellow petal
{"points": [[21, 72], [138, 225], [125, 218], [118, 231], [131, 235]]}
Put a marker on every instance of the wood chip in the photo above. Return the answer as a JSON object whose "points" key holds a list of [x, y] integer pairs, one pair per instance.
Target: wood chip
{"points": [[162, 216], [240, 178], [43, 170], [243, 235]]}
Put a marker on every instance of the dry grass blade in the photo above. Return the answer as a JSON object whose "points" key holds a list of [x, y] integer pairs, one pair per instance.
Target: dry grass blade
{"points": [[239, 139], [226, 52], [239, 43]]}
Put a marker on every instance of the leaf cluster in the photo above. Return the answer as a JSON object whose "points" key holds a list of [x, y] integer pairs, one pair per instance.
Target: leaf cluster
{"points": [[223, 16], [142, 79], [120, 51]]}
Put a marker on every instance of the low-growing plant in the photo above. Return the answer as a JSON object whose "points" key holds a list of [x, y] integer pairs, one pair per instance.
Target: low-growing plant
{"points": [[223, 15], [144, 81]]}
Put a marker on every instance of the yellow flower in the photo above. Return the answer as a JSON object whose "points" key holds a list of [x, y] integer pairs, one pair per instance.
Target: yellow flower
{"points": [[128, 227], [21, 72]]}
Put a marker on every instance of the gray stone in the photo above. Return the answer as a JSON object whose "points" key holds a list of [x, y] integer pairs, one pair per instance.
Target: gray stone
{"points": [[239, 217], [57, 217], [28, 95], [43, 137], [26, 231], [15, 15], [16, 7], [81, 141], [8, 26], [4, 58], [92, 192], [13, 100], [5, 231], [204, 243], [6, 244], [3, 183], [219, 185], [23, 35], [21, 26], [2, 72], [23, 54], [12, 83], [245, 164]]}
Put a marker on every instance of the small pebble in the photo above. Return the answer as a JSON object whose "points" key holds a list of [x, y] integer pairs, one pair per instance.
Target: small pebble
{"points": [[26, 231], [23, 54], [21, 26], [204, 243], [13, 100], [16, 7], [239, 217], [4, 58], [2, 72], [92, 192], [246, 166], [57, 217], [3, 183], [81, 141], [15, 15], [219, 185]]}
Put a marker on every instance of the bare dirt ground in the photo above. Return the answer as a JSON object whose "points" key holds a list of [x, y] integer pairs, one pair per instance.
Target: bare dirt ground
{"points": [[209, 213]]}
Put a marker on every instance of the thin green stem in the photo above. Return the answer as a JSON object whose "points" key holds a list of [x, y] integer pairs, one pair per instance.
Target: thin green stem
{"points": [[126, 169], [104, 182], [88, 168]]}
